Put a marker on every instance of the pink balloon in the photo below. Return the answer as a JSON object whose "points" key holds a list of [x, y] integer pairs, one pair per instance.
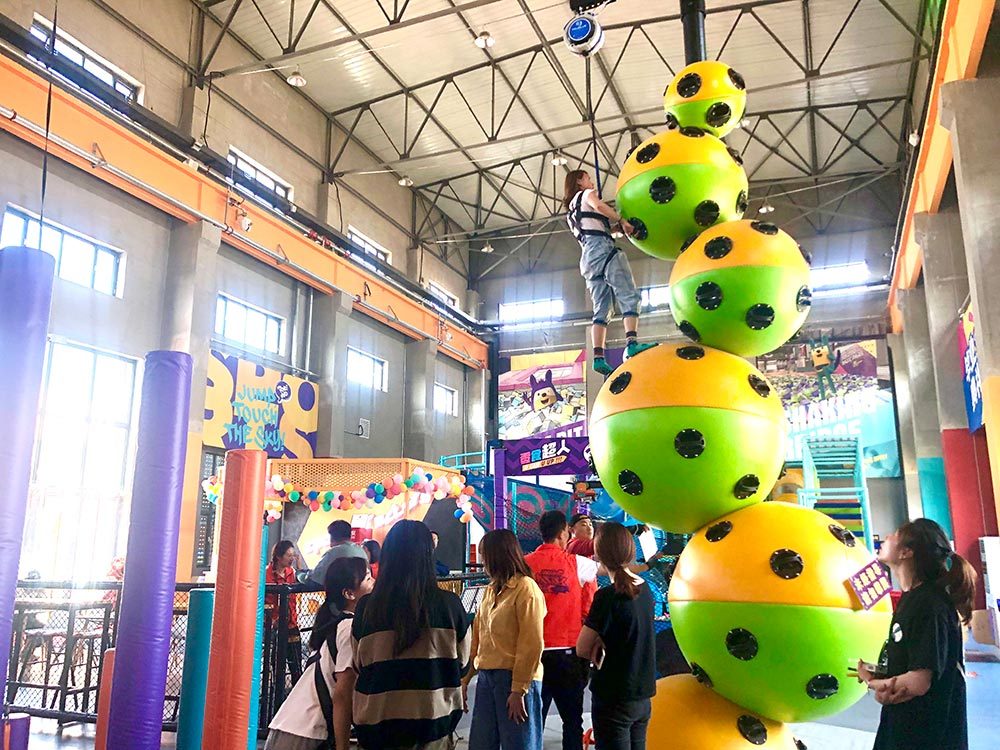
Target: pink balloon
{"points": [[397, 479]]}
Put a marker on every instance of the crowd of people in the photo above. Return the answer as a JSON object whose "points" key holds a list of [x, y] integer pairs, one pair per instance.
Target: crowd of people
{"points": [[394, 656]]}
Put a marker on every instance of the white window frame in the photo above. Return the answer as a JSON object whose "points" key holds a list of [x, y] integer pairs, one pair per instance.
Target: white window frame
{"points": [[219, 328], [531, 310], [840, 275], [103, 62], [449, 393], [369, 246], [648, 293], [440, 293], [129, 424], [378, 362], [235, 156], [99, 247]]}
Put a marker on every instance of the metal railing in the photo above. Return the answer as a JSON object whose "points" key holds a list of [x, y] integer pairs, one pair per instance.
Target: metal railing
{"points": [[62, 629]]}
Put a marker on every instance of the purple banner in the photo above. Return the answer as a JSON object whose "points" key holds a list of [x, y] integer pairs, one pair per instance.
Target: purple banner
{"points": [[546, 456]]}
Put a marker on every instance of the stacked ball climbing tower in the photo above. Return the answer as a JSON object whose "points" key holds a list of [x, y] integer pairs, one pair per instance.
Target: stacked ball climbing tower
{"points": [[691, 438]]}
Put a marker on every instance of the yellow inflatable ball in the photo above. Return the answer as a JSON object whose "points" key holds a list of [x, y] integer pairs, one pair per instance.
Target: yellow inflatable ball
{"points": [[708, 95], [762, 608], [689, 716], [683, 434], [742, 287]]}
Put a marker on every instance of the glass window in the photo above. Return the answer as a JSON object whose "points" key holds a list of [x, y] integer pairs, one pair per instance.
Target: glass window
{"points": [[258, 174], [845, 275], [543, 309], [87, 410], [247, 325], [79, 259], [369, 246], [73, 51], [445, 400], [655, 296], [367, 370], [442, 294]]}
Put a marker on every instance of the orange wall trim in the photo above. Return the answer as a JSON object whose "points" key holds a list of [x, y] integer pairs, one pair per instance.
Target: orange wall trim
{"points": [[962, 38], [86, 128]]}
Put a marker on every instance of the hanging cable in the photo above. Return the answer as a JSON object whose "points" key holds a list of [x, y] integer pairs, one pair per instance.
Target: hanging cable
{"points": [[593, 128], [48, 126]]}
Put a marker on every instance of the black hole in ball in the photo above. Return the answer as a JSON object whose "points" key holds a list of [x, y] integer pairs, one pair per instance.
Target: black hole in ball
{"points": [[689, 443], [690, 352], [799, 744], [718, 114], [641, 232], [806, 256], [706, 213], [804, 299], [687, 243], [672, 123], [736, 155], [590, 461], [764, 227], [647, 153], [620, 383], [689, 85], [662, 190], [718, 247], [692, 132], [741, 202], [822, 686], [760, 316], [737, 79], [746, 486], [786, 563], [719, 531], [741, 643], [752, 729], [708, 295], [629, 481], [759, 385], [689, 330], [842, 535], [700, 674]]}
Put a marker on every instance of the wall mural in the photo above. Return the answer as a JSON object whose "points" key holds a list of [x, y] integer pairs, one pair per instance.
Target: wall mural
{"points": [[251, 406], [543, 394], [831, 389]]}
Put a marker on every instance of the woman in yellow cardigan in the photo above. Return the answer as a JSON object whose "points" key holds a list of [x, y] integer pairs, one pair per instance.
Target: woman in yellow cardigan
{"points": [[507, 648]]}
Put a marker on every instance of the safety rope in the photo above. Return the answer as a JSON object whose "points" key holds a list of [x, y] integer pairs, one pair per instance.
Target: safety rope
{"points": [[593, 128]]}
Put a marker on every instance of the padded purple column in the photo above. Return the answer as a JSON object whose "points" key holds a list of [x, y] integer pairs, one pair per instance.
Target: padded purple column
{"points": [[147, 606], [25, 296]]}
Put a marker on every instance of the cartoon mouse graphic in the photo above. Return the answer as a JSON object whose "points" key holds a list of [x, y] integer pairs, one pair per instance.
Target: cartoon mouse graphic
{"points": [[543, 391]]}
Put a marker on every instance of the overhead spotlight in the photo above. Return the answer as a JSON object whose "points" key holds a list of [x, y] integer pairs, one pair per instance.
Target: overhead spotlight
{"points": [[745, 123], [296, 79], [484, 40], [914, 138], [487, 248], [559, 161], [405, 181], [765, 208]]}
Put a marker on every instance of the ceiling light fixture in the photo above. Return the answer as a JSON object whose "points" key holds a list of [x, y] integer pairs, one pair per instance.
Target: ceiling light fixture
{"points": [[765, 208], [296, 79], [745, 123], [487, 248], [484, 40], [914, 138], [405, 181], [559, 161]]}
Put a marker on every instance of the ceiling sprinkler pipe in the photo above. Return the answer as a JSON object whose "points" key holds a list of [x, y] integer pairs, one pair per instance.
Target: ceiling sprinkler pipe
{"points": [[693, 23]]}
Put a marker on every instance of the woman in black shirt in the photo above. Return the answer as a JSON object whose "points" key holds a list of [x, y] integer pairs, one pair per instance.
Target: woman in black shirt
{"points": [[618, 638], [922, 688]]}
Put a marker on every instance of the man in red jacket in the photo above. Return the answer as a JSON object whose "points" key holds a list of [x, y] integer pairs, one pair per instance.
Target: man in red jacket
{"points": [[568, 582]]}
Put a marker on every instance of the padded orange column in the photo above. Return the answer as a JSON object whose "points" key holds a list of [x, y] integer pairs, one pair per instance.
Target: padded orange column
{"points": [[231, 663], [104, 700]]}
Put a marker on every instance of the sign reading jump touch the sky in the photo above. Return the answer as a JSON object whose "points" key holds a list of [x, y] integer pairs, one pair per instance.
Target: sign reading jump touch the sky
{"points": [[251, 406]]}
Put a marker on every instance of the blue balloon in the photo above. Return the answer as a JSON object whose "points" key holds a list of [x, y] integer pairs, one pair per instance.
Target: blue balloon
{"points": [[313, 494], [430, 477], [379, 498], [458, 513]]}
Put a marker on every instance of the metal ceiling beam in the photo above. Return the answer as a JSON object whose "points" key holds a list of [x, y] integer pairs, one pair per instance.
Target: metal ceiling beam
{"points": [[287, 57]]}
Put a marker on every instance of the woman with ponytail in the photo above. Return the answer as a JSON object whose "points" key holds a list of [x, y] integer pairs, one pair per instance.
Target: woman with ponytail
{"points": [[921, 681], [618, 638]]}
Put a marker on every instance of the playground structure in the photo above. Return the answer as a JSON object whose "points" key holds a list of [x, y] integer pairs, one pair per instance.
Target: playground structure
{"points": [[834, 474]]}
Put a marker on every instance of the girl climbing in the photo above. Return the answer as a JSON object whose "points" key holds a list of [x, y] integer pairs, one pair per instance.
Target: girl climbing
{"points": [[604, 267]]}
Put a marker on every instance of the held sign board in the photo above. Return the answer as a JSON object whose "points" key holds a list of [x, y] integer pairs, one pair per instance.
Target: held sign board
{"points": [[251, 406], [972, 382]]}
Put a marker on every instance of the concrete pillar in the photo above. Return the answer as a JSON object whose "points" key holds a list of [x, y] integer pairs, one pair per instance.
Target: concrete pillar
{"points": [[967, 109], [325, 196], [414, 264], [923, 401], [328, 354], [473, 304], [966, 460], [904, 414], [189, 296], [477, 389], [418, 400]]}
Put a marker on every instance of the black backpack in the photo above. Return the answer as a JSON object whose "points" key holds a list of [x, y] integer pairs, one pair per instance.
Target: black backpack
{"points": [[322, 691]]}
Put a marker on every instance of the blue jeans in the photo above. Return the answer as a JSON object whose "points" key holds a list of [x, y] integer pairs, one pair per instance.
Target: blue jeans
{"points": [[492, 728], [609, 278]]}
